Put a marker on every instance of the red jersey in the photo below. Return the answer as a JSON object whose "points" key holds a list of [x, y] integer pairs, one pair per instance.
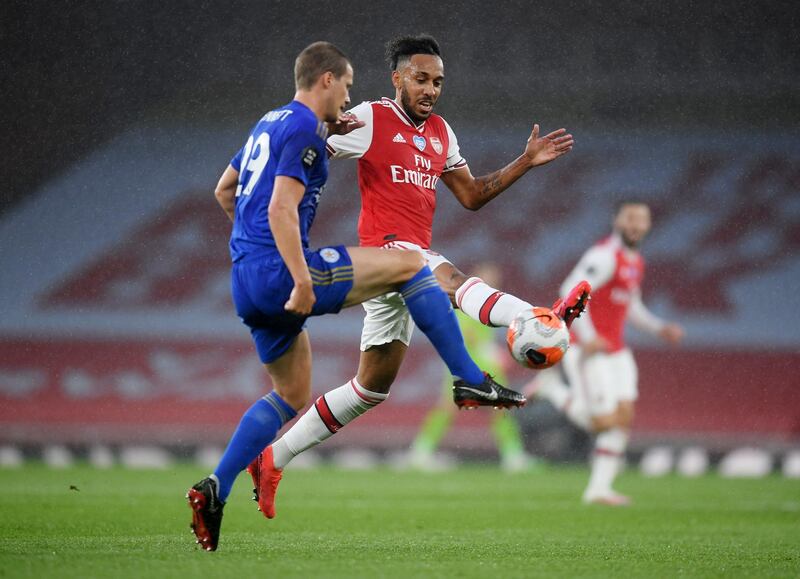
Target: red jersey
{"points": [[399, 165], [615, 273]]}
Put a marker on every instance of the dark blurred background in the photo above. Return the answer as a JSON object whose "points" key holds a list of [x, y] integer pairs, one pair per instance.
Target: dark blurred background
{"points": [[115, 316], [78, 74]]}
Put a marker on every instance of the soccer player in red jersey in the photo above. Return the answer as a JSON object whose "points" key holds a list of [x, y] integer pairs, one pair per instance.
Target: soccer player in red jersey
{"points": [[403, 150], [599, 367]]}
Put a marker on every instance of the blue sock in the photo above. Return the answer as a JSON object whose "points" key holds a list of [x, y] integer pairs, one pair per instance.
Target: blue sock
{"points": [[430, 308], [256, 430]]}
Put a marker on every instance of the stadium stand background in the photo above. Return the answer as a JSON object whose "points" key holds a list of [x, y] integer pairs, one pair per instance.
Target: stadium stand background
{"points": [[116, 323]]}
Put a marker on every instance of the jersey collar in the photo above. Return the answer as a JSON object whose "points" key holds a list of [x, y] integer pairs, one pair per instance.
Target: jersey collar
{"points": [[398, 110]]}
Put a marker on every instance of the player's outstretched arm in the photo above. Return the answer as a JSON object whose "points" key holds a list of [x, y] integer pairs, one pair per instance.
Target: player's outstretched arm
{"points": [[346, 123], [643, 319], [542, 150], [226, 191], [475, 192], [672, 333], [284, 222]]}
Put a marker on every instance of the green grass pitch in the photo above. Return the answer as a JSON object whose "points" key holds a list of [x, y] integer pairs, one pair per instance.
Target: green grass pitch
{"points": [[473, 522]]}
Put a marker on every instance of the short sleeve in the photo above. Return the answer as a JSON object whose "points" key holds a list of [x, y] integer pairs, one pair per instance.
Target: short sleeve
{"points": [[356, 143], [596, 266], [300, 151], [236, 162], [454, 159]]}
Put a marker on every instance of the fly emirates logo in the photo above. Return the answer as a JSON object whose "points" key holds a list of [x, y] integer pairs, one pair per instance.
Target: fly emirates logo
{"points": [[415, 176]]}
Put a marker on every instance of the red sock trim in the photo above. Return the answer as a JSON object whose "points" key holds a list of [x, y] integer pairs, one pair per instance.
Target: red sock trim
{"points": [[486, 308], [326, 415], [461, 293], [364, 397], [607, 452]]}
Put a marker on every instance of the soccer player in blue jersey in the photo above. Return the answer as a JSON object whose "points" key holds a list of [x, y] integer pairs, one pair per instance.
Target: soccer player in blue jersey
{"points": [[270, 191]]}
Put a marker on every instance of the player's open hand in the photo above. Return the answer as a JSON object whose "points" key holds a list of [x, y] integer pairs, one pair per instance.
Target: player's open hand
{"points": [[346, 123], [541, 150], [596, 346], [301, 300], [672, 333]]}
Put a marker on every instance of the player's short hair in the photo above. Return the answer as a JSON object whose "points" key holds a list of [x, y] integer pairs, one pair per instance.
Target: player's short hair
{"points": [[626, 201], [315, 60], [399, 49]]}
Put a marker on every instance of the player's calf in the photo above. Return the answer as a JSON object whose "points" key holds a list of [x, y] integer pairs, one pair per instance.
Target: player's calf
{"points": [[330, 413]]}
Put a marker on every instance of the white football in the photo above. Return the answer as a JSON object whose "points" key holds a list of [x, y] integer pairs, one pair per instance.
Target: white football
{"points": [[537, 338]]}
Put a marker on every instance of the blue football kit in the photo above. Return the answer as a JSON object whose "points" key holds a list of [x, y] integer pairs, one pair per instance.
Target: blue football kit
{"points": [[289, 141]]}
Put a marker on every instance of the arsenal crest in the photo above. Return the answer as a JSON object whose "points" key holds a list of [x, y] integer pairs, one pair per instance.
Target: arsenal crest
{"points": [[419, 141], [437, 145]]}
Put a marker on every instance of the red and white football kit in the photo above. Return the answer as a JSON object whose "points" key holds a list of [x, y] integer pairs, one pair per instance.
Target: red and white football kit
{"points": [[606, 378], [399, 165]]}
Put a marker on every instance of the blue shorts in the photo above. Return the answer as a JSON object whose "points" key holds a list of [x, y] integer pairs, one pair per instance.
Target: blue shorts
{"points": [[261, 285]]}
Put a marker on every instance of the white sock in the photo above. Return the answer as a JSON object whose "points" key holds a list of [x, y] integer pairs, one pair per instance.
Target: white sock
{"points": [[609, 454], [329, 413], [556, 393], [573, 407], [486, 304], [578, 412], [562, 397]]}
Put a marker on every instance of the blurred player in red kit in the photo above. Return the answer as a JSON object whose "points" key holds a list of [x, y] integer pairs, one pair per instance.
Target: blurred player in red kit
{"points": [[596, 382]]}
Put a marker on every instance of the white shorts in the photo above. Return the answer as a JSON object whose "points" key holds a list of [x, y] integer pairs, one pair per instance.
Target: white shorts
{"points": [[601, 381], [387, 317], [609, 379]]}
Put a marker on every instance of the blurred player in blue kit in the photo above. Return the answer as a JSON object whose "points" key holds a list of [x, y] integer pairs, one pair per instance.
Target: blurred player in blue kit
{"points": [[271, 191]]}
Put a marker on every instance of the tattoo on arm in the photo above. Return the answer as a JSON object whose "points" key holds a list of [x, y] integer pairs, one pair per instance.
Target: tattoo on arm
{"points": [[491, 184]]}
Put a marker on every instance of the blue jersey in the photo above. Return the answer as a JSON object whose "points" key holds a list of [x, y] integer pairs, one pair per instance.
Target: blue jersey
{"points": [[288, 141]]}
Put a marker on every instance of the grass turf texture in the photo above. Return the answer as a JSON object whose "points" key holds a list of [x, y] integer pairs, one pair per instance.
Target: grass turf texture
{"points": [[473, 522]]}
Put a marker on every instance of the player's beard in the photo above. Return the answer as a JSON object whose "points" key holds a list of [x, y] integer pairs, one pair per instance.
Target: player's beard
{"points": [[405, 102], [630, 243]]}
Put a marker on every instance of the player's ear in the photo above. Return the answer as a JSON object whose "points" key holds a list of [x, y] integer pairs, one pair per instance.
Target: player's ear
{"points": [[396, 79], [327, 79]]}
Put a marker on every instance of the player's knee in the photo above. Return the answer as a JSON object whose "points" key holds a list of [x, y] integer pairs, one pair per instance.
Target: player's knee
{"points": [[416, 262], [297, 398], [410, 262], [298, 401], [625, 415], [604, 422]]}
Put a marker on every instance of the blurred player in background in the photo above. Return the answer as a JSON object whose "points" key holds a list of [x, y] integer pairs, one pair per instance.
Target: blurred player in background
{"points": [[403, 150], [596, 382], [491, 355], [270, 191]]}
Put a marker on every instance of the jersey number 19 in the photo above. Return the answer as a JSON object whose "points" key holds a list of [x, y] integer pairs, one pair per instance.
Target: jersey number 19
{"points": [[254, 165]]}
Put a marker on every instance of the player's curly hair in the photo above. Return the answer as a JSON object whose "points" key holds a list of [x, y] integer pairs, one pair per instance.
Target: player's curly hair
{"points": [[404, 47]]}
